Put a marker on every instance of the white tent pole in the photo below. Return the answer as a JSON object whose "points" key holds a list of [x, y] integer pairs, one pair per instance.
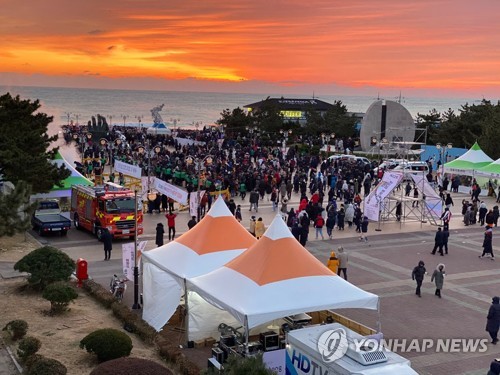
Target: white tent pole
{"points": [[379, 323], [247, 334], [186, 311]]}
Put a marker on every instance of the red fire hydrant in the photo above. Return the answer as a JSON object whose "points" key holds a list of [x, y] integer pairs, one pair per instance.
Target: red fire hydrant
{"points": [[81, 271]]}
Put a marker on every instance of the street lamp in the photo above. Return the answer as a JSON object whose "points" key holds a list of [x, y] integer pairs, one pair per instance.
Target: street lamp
{"points": [[442, 150], [118, 142], [206, 161], [89, 137], [139, 119], [80, 139], [136, 305], [326, 140], [124, 117], [285, 134], [151, 194], [68, 114], [77, 117]]}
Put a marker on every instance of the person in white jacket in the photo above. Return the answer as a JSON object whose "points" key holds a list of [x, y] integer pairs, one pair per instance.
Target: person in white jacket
{"points": [[349, 214]]}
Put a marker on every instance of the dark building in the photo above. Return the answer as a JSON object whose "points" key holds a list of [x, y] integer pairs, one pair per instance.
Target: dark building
{"points": [[292, 109]]}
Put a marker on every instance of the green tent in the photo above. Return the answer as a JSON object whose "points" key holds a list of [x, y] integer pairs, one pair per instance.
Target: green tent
{"points": [[492, 170], [468, 163], [76, 178]]}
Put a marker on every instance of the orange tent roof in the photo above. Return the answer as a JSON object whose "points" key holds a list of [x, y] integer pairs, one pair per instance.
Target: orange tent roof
{"points": [[218, 231], [277, 256]]}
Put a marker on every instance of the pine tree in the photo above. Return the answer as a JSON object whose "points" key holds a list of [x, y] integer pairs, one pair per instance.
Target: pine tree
{"points": [[25, 153], [14, 213]]}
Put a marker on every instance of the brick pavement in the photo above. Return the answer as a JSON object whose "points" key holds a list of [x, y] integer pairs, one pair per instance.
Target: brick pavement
{"points": [[383, 266]]}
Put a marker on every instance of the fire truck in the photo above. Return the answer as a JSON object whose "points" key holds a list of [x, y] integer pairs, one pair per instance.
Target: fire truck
{"points": [[109, 206]]}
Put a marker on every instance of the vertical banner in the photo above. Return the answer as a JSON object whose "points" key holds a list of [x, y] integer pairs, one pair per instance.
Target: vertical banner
{"points": [[128, 253], [389, 182], [194, 203]]}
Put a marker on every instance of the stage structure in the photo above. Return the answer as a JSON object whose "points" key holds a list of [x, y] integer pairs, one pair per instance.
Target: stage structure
{"points": [[389, 129], [382, 203]]}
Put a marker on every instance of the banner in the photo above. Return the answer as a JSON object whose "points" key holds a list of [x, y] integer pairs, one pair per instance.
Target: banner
{"points": [[188, 141], [171, 191], [275, 360], [128, 169], [128, 253], [194, 203], [389, 182], [433, 201]]}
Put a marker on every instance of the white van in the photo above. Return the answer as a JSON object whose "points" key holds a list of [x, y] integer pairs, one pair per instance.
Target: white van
{"points": [[304, 357], [413, 167]]}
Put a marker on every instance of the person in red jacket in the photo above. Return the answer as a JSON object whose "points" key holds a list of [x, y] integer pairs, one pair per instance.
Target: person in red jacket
{"points": [[318, 224], [171, 225]]}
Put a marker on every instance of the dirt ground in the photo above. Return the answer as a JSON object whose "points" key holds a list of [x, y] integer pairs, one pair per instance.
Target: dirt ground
{"points": [[61, 335]]}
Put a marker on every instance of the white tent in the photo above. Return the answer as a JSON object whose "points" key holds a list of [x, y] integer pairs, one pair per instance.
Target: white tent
{"points": [[275, 278], [469, 162], [213, 242], [76, 178]]}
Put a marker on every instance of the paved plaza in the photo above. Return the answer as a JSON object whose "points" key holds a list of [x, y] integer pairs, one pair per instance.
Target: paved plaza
{"points": [[382, 266]]}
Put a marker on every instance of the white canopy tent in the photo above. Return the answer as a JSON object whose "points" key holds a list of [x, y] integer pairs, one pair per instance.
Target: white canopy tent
{"points": [[275, 278], [213, 242]]}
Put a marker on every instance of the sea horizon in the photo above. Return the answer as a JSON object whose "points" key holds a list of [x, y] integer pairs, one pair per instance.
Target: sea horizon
{"points": [[185, 108]]}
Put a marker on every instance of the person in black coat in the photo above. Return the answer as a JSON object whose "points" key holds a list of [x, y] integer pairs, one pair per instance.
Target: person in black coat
{"points": [[438, 242], [159, 234], [191, 223], [488, 243], [494, 368], [107, 240], [446, 236], [493, 320], [418, 275]]}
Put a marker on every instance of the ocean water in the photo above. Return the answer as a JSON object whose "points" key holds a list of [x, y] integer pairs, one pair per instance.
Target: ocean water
{"points": [[186, 108]]}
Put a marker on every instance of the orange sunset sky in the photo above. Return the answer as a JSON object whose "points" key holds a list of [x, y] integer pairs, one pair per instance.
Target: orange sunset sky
{"points": [[427, 47]]}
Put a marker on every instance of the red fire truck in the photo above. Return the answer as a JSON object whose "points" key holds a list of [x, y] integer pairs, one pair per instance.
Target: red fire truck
{"points": [[110, 206]]}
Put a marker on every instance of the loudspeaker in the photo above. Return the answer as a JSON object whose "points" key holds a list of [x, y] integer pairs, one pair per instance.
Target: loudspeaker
{"points": [[218, 354], [190, 344]]}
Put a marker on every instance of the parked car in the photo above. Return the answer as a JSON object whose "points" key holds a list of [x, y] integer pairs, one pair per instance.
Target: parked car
{"points": [[47, 218], [412, 167]]}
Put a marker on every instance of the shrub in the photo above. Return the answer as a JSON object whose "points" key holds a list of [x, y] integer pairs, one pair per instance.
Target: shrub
{"points": [[130, 366], [46, 265], [40, 365], [99, 292], [107, 344], [17, 329], [237, 365], [60, 295], [27, 347], [134, 322]]}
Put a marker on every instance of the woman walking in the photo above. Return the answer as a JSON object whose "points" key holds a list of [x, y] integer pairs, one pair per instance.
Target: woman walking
{"points": [[260, 228], [438, 278]]}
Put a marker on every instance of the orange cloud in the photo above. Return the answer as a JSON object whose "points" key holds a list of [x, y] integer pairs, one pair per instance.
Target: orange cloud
{"points": [[428, 44]]}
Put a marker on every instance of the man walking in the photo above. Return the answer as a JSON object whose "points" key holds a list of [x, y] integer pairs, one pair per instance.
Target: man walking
{"points": [[438, 242], [343, 260], [107, 241], [418, 275], [171, 225], [488, 243], [493, 320], [254, 200]]}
